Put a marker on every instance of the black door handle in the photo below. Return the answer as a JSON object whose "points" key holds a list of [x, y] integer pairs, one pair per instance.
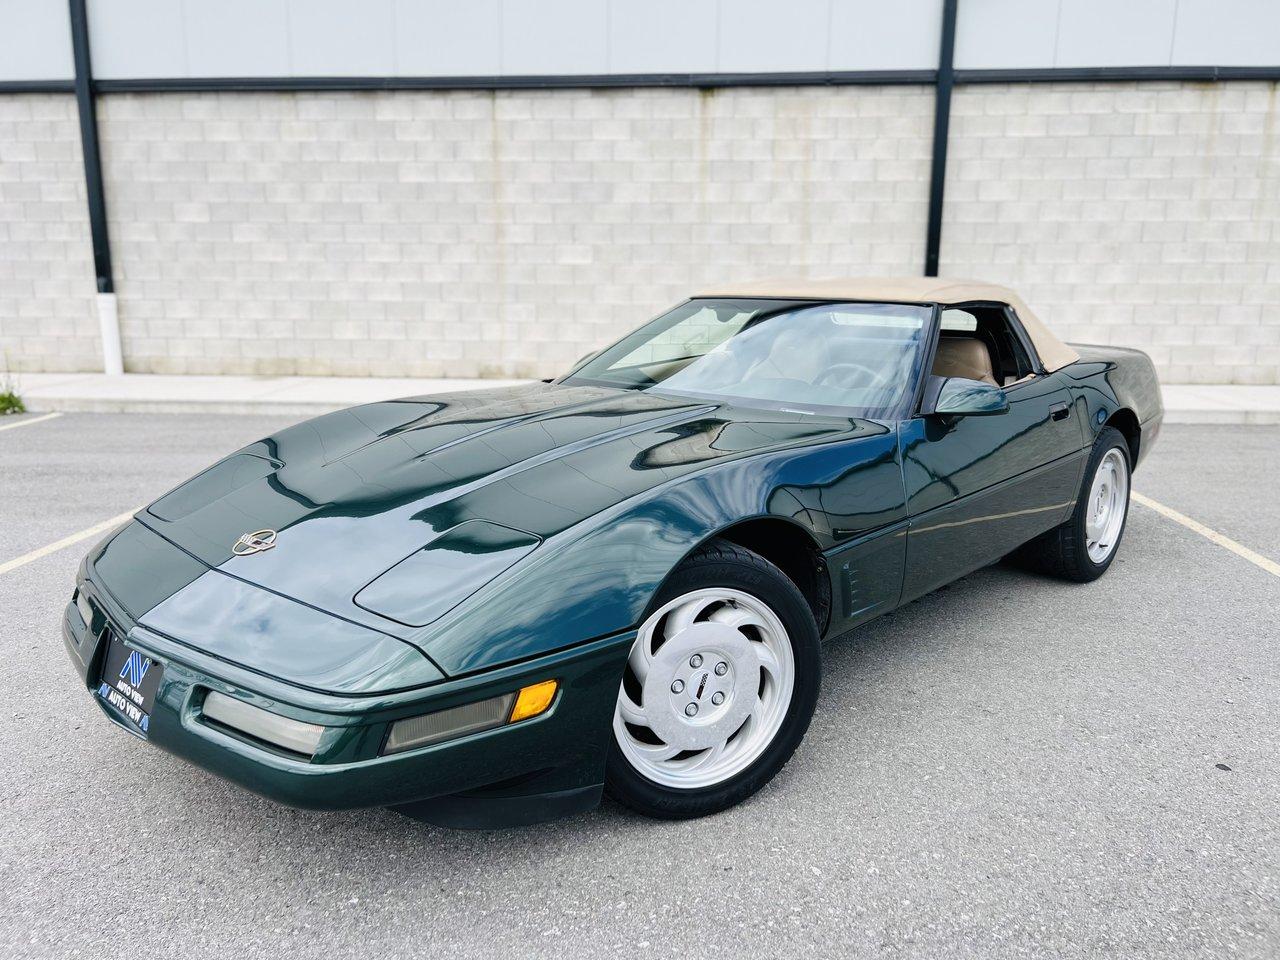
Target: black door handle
{"points": [[1059, 411]]}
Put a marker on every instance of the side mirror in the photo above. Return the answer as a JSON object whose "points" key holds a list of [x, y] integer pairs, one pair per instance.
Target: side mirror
{"points": [[959, 397]]}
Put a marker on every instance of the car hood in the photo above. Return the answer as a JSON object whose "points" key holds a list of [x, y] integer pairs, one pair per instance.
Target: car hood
{"points": [[352, 494]]}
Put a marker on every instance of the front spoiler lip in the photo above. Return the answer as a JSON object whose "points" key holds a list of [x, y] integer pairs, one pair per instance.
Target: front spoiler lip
{"points": [[562, 749]]}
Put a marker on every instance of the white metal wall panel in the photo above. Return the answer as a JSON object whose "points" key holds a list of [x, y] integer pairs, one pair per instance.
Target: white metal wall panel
{"points": [[885, 36], [228, 38], [1104, 33], [442, 38], [1242, 33], [1000, 34], [35, 40], [339, 38], [555, 36], [137, 38], [237, 38], [662, 36], [1006, 34], [766, 36]]}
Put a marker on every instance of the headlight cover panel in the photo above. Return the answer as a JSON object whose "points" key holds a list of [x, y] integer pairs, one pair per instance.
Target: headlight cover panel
{"points": [[426, 585]]}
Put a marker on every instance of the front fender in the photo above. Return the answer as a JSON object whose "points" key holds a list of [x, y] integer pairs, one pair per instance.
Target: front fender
{"points": [[597, 578]]}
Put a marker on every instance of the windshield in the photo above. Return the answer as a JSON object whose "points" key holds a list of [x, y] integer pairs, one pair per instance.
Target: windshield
{"points": [[859, 358]]}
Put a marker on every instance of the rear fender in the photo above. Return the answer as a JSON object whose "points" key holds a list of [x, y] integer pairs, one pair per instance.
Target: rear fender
{"points": [[1107, 380]]}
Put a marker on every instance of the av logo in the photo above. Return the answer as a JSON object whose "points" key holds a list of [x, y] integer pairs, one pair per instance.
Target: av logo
{"points": [[135, 668]]}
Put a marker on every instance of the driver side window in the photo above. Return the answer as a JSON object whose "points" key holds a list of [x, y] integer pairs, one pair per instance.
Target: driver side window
{"points": [[979, 342]]}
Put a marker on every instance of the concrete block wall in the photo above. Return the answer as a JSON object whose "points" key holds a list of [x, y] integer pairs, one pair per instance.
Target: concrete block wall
{"points": [[483, 233], [1146, 215], [508, 233], [47, 288]]}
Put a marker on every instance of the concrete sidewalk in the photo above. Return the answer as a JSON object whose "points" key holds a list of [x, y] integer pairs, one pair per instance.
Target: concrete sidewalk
{"points": [[134, 392]]}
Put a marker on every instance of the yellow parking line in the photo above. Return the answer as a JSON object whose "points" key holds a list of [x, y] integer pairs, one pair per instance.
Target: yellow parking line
{"points": [[1239, 549], [29, 422], [57, 545]]}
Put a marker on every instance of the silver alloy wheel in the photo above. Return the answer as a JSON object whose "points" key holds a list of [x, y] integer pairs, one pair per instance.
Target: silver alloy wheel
{"points": [[1105, 509], [711, 676]]}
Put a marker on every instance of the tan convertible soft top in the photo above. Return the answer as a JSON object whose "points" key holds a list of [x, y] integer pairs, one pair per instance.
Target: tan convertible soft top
{"points": [[1054, 354]]}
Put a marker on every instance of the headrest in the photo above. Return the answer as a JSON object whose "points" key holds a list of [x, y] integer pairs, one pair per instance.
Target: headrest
{"points": [[964, 357]]}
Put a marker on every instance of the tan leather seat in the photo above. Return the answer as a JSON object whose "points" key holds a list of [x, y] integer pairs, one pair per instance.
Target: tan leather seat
{"points": [[964, 357]]}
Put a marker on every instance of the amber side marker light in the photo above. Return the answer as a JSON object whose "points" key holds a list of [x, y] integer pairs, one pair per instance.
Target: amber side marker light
{"points": [[458, 721], [533, 700]]}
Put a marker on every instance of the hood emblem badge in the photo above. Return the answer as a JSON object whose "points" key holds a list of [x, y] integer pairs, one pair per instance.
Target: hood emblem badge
{"points": [[256, 542]]}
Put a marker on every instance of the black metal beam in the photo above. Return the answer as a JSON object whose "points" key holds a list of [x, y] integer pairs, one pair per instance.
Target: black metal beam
{"points": [[941, 124], [548, 82], [804, 78], [37, 86], [1115, 74], [89, 145]]}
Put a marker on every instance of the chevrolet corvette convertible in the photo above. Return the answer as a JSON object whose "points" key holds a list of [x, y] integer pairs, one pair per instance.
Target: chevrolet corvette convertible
{"points": [[489, 608]]}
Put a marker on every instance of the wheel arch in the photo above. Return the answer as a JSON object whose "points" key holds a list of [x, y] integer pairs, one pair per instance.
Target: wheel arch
{"points": [[791, 548], [1126, 421]]}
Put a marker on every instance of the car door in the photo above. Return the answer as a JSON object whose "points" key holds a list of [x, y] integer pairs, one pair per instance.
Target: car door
{"points": [[979, 486]]}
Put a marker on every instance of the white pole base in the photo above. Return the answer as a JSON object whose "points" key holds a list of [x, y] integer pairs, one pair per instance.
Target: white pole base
{"points": [[109, 326]]}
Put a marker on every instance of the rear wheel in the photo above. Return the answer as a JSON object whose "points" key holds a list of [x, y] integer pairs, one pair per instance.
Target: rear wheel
{"points": [[1083, 547], [719, 687]]}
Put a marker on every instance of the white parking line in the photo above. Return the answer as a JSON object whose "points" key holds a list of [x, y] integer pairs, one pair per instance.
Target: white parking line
{"points": [[1222, 540], [57, 545], [26, 423]]}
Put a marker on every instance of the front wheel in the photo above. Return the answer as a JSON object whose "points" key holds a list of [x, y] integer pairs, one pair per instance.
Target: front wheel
{"points": [[1083, 547], [718, 689]]}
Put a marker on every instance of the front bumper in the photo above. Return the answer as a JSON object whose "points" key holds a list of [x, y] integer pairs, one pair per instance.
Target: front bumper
{"points": [[542, 761]]}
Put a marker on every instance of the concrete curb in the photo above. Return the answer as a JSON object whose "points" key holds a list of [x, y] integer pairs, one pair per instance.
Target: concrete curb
{"points": [[1247, 417]]}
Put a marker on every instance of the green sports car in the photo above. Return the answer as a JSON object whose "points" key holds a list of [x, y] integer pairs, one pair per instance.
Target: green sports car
{"points": [[488, 608]]}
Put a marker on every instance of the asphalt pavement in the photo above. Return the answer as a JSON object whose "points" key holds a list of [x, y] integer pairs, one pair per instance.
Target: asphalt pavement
{"points": [[1010, 767]]}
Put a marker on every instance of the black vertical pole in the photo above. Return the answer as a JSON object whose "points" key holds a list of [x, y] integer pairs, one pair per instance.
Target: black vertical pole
{"points": [[941, 122], [89, 143]]}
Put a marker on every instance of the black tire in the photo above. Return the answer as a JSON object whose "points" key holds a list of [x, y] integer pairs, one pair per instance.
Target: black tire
{"points": [[723, 564], [1061, 551]]}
